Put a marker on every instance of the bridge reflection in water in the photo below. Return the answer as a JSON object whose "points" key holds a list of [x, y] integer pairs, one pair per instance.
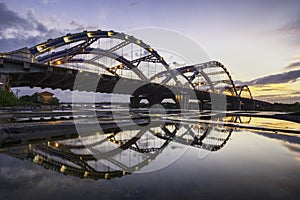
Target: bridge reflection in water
{"points": [[115, 152]]}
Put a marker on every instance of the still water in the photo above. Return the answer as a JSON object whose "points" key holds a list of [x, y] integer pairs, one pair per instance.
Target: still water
{"points": [[159, 161]]}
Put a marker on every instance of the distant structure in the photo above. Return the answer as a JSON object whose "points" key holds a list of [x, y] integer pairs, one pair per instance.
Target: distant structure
{"points": [[113, 59], [46, 97]]}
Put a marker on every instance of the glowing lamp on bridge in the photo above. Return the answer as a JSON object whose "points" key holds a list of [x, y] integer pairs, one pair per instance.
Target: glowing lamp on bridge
{"points": [[89, 34], [63, 169], [110, 33], [41, 48], [67, 39], [58, 62], [107, 176], [56, 144]]}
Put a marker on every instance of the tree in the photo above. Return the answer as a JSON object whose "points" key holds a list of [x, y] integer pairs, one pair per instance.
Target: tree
{"points": [[31, 100], [8, 99], [54, 101]]}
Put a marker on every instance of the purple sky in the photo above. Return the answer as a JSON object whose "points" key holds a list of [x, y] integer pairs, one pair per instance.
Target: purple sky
{"points": [[253, 39]]}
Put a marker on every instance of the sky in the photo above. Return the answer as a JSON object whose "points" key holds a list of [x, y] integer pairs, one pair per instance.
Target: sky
{"points": [[258, 41]]}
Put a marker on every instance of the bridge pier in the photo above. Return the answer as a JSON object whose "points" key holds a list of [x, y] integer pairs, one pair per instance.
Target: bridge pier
{"points": [[182, 101], [135, 100], [236, 105], [5, 82], [201, 105], [247, 104]]}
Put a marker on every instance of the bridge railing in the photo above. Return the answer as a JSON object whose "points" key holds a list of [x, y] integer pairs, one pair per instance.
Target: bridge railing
{"points": [[20, 54]]}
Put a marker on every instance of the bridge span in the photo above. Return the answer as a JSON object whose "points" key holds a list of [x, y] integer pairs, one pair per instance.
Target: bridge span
{"points": [[112, 59]]}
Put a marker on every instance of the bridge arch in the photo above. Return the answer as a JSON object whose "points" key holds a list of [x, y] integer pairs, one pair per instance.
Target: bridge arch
{"points": [[244, 91], [125, 53], [122, 55]]}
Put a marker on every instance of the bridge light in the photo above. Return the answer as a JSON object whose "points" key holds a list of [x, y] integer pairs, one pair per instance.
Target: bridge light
{"points": [[67, 39], [63, 169], [126, 37], [138, 41], [86, 173], [150, 49], [89, 34], [59, 62], [41, 48], [37, 159], [56, 144], [110, 33], [156, 78], [80, 70], [107, 176]]}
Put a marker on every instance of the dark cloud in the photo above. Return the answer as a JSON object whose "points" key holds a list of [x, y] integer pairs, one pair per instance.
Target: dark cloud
{"points": [[293, 65], [285, 77], [76, 26], [9, 19], [134, 4], [292, 27], [292, 30], [32, 19], [17, 32], [20, 40]]}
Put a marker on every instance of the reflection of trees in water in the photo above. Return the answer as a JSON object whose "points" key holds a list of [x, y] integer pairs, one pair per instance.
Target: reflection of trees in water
{"points": [[115, 154]]}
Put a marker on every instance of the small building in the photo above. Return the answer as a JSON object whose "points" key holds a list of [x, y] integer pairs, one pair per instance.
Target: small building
{"points": [[46, 97]]}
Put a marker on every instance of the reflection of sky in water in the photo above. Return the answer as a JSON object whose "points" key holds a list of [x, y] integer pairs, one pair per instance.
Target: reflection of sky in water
{"points": [[249, 166], [274, 123]]}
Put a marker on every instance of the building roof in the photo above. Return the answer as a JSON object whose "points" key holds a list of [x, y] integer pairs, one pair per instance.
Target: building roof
{"points": [[46, 93]]}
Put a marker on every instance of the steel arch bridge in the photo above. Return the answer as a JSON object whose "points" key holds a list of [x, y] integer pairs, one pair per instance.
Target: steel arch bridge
{"points": [[56, 62], [72, 157]]}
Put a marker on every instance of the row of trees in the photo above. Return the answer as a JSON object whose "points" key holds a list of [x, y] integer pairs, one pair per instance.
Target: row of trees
{"points": [[9, 99]]}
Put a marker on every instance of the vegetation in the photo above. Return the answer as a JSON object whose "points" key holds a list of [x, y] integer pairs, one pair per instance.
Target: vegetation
{"points": [[30, 100], [54, 101], [9, 99], [283, 107]]}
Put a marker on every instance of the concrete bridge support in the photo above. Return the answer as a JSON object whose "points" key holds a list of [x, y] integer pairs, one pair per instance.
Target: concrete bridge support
{"points": [[182, 101], [5, 82]]}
